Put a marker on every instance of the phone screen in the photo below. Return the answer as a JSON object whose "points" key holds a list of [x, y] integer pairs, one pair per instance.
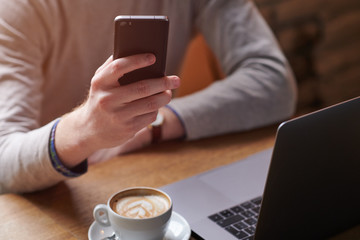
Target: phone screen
{"points": [[142, 34]]}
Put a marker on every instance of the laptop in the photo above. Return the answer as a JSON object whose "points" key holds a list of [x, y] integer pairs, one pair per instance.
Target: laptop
{"points": [[306, 187]]}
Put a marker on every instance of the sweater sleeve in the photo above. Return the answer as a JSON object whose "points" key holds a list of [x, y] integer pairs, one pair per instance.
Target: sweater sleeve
{"points": [[259, 88], [24, 157]]}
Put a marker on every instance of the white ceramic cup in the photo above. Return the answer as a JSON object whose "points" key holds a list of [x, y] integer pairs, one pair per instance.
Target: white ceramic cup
{"points": [[130, 228]]}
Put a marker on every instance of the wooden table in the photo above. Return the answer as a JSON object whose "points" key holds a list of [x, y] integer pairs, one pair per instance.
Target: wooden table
{"points": [[65, 210]]}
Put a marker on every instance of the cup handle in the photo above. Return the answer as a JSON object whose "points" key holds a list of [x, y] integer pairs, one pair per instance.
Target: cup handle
{"points": [[101, 215]]}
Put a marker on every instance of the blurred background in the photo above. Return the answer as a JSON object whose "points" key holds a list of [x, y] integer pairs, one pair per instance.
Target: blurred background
{"points": [[320, 38]]}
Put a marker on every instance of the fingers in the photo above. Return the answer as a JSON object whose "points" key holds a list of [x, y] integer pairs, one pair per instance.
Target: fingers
{"points": [[148, 104], [139, 107], [145, 95], [142, 121], [124, 110], [146, 88], [108, 74]]}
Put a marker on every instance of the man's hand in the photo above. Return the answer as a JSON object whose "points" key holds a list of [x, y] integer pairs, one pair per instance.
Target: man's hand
{"points": [[112, 114]]}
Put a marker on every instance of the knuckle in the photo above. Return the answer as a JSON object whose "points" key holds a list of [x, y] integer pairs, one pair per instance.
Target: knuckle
{"points": [[95, 83], [103, 102], [138, 62], [152, 105], [116, 68], [142, 88]]}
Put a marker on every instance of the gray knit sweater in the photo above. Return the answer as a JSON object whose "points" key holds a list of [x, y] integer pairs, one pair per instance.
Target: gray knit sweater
{"points": [[49, 51]]}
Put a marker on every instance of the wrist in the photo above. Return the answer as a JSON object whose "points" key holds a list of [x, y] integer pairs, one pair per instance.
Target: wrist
{"points": [[172, 127], [58, 163], [72, 148]]}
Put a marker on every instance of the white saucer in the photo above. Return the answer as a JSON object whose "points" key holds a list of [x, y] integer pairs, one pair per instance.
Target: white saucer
{"points": [[179, 229]]}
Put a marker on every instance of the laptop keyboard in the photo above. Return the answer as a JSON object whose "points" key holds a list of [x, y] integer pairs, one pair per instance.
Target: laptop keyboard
{"points": [[241, 219]]}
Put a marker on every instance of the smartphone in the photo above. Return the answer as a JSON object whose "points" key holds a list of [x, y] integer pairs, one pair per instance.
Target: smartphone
{"points": [[142, 34]]}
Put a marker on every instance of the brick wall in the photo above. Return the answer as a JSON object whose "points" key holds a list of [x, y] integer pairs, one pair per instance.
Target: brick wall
{"points": [[321, 39]]}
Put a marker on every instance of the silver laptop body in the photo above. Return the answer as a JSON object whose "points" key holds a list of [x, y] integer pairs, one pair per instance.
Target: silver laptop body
{"points": [[311, 189]]}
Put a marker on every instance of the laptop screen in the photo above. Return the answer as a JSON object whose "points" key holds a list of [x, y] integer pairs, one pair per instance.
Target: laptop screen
{"points": [[313, 185]]}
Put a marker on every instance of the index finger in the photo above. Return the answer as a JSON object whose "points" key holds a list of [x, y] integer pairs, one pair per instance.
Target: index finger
{"points": [[110, 73]]}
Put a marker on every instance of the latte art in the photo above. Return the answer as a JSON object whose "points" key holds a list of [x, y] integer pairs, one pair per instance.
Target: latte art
{"points": [[141, 206]]}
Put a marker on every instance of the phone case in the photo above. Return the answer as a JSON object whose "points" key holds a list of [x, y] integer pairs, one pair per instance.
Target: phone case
{"points": [[142, 34]]}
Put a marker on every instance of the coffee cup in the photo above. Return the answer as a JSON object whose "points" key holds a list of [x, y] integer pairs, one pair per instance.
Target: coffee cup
{"points": [[139, 213]]}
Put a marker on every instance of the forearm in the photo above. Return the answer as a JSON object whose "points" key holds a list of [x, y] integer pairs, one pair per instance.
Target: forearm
{"points": [[24, 163], [247, 99], [71, 144]]}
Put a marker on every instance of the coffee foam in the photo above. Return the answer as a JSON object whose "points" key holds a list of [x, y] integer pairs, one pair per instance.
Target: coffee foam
{"points": [[142, 206]]}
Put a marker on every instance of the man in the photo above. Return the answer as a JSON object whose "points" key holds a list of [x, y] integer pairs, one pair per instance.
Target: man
{"points": [[49, 51]]}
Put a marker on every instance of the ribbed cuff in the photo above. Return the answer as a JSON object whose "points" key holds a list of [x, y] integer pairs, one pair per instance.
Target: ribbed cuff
{"points": [[181, 121]]}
